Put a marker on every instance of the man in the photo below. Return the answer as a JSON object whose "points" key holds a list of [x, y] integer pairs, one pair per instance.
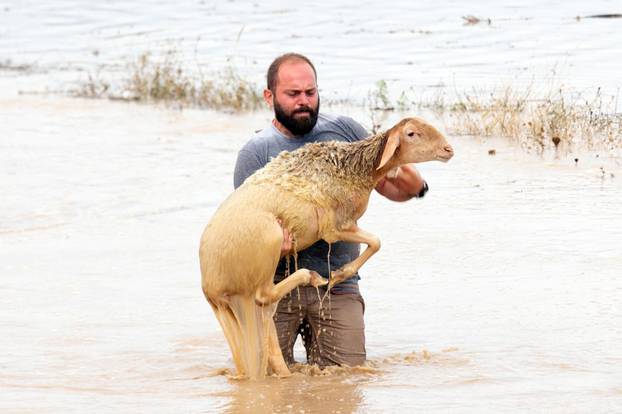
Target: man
{"points": [[335, 334]]}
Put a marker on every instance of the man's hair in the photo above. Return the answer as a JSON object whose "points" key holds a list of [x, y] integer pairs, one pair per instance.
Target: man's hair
{"points": [[273, 70]]}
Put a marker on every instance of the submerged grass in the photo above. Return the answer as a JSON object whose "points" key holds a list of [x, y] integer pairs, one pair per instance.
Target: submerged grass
{"points": [[8, 66], [165, 80], [559, 119]]}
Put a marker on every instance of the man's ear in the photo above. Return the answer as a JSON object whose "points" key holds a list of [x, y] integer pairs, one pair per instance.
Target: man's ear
{"points": [[393, 141], [268, 97]]}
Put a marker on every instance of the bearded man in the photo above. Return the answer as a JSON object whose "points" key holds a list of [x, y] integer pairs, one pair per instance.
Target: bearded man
{"points": [[336, 337]]}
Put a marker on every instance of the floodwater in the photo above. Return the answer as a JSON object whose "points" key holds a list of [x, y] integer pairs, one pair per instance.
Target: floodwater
{"points": [[425, 44], [498, 292]]}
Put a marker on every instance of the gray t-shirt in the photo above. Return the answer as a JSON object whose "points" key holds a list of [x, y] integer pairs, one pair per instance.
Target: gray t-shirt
{"points": [[267, 144]]}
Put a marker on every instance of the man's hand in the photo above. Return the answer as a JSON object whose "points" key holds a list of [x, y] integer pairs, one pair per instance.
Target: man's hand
{"points": [[288, 240], [401, 184]]}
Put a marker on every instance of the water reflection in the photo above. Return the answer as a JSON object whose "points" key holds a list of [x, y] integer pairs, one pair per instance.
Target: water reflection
{"points": [[298, 393]]}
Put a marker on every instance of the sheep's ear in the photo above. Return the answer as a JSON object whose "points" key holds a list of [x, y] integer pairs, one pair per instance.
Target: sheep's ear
{"points": [[389, 149]]}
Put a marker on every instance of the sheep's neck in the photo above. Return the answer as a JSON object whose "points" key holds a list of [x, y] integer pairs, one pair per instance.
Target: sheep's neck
{"points": [[364, 158]]}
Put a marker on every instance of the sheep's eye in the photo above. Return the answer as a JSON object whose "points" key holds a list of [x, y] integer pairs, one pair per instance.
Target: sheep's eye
{"points": [[411, 133]]}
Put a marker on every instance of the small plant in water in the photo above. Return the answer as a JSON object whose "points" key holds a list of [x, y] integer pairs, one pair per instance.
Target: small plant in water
{"points": [[94, 87], [378, 99], [378, 104]]}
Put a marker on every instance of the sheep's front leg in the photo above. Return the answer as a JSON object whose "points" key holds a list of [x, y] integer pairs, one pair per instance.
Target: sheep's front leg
{"points": [[354, 235], [274, 293]]}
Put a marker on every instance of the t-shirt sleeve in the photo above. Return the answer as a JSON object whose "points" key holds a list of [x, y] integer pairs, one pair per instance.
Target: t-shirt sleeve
{"points": [[247, 163], [354, 129]]}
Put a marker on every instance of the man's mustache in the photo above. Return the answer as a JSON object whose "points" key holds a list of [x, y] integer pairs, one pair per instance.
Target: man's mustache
{"points": [[303, 110]]}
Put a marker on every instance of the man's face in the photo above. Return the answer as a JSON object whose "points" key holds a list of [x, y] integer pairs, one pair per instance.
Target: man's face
{"points": [[296, 100]]}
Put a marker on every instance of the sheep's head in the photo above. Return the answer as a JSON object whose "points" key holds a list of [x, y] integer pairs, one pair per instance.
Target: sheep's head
{"points": [[414, 140]]}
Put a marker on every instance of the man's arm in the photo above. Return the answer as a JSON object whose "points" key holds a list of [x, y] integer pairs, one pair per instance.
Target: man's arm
{"points": [[407, 183]]}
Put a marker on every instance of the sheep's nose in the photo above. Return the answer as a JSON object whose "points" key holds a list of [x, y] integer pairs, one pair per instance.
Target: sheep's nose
{"points": [[449, 150]]}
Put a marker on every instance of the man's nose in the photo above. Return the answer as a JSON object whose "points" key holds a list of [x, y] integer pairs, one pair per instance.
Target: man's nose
{"points": [[303, 100]]}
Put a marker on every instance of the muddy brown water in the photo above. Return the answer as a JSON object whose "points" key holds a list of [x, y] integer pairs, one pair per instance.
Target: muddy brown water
{"points": [[497, 292]]}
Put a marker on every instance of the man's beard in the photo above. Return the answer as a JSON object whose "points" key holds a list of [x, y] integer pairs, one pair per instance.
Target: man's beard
{"points": [[297, 126]]}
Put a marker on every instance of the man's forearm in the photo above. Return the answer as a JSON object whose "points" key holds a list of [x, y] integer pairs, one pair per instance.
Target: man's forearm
{"points": [[406, 184]]}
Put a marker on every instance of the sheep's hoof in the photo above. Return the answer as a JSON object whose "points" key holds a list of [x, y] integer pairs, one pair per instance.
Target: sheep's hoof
{"points": [[336, 277], [317, 280]]}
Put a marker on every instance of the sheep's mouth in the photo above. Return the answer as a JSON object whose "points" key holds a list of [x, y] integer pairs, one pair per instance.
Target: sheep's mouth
{"points": [[444, 158]]}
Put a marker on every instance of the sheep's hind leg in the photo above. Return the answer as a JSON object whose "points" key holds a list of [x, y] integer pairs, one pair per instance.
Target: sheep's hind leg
{"points": [[274, 293], [231, 329], [276, 362]]}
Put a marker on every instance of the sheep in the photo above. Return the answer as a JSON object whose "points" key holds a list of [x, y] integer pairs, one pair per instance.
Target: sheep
{"points": [[316, 192]]}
